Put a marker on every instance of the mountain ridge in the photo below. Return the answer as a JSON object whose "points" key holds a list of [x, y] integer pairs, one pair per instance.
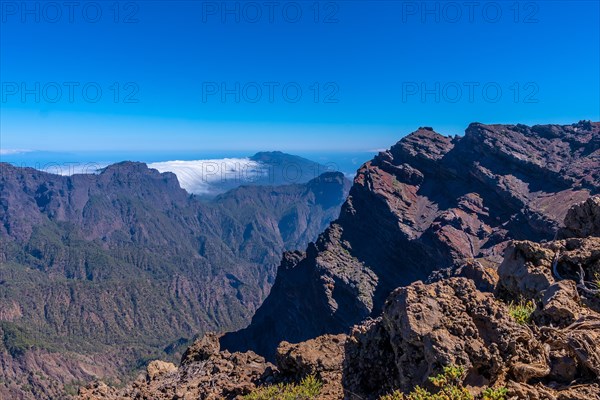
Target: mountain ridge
{"points": [[428, 203], [118, 266]]}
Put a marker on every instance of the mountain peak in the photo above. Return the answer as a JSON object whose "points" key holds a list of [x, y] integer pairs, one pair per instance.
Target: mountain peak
{"points": [[279, 157], [126, 167]]}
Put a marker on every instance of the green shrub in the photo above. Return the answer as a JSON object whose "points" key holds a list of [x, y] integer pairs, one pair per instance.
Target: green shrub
{"points": [[449, 387], [308, 389], [521, 311], [448, 384], [452, 376], [495, 393]]}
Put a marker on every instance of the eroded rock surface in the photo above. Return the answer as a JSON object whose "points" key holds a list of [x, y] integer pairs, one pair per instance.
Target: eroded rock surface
{"points": [[423, 327]]}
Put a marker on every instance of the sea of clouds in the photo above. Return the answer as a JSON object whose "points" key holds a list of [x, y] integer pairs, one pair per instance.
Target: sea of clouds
{"points": [[204, 176]]}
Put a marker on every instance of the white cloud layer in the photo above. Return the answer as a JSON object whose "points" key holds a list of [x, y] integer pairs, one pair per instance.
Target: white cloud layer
{"points": [[7, 152], [200, 176]]}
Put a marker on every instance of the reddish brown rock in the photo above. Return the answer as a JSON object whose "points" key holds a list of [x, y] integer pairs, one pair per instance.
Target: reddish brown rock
{"points": [[561, 303], [202, 349]]}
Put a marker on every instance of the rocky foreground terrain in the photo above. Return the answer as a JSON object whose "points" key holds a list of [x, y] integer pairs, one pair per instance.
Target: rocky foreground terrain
{"points": [[479, 252], [100, 273]]}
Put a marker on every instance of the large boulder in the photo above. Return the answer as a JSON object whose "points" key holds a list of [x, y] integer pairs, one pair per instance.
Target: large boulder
{"points": [[526, 270], [315, 356], [561, 304], [583, 219], [202, 349], [529, 269], [158, 368], [322, 357]]}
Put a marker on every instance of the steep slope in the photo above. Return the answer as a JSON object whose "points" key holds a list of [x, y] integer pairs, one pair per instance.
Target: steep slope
{"points": [[125, 264], [430, 202]]}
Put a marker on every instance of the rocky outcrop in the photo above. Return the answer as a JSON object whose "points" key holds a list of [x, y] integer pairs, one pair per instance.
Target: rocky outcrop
{"points": [[220, 376], [429, 203], [583, 220], [445, 323], [321, 357], [206, 372], [530, 269], [157, 369]]}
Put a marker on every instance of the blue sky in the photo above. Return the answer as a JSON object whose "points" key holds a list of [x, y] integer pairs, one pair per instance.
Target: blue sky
{"points": [[340, 76]]}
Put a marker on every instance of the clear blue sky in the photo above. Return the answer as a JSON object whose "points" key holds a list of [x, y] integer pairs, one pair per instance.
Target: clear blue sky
{"points": [[381, 68]]}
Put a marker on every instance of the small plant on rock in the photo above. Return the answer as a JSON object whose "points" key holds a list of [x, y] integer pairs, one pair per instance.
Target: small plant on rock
{"points": [[448, 383], [495, 393], [452, 376], [596, 282], [308, 389], [521, 311]]}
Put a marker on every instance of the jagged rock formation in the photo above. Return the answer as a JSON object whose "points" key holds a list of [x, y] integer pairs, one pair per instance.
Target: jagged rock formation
{"points": [[101, 272], [429, 203], [552, 355]]}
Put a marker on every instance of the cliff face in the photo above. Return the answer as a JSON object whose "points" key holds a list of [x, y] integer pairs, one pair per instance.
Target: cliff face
{"points": [[126, 265], [428, 203]]}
